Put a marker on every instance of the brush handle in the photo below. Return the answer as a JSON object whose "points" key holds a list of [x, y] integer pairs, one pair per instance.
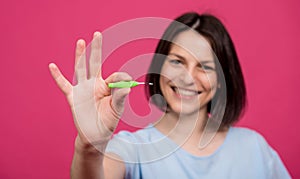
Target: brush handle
{"points": [[123, 84]]}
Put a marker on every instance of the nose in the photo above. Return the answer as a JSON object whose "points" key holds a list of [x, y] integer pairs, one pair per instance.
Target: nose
{"points": [[187, 76]]}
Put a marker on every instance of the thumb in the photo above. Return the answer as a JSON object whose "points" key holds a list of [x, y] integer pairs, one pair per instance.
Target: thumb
{"points": [[118, 99], [119, 94]]}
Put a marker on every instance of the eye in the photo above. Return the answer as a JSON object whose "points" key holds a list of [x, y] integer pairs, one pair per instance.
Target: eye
{"points": [[175, 61], [205, 67]]}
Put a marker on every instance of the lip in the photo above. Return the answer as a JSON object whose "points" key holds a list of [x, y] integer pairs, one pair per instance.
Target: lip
{"points": [[185, 93]]}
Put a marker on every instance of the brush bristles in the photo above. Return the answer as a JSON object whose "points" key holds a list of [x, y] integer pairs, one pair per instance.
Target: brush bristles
{"points": [[143, 83]]}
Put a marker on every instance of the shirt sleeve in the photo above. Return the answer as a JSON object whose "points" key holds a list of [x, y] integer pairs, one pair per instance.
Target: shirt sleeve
{"points": [[124, 145], [276, 168]]}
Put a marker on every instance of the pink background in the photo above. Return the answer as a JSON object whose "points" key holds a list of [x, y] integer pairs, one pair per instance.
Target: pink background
{"points": [[36, 127]]}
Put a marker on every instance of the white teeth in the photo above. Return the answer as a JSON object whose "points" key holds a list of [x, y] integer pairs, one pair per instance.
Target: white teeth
{"points": [[185, 92]]}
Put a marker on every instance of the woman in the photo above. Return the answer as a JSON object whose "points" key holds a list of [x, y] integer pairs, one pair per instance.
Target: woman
{"points": [[197, 81]]}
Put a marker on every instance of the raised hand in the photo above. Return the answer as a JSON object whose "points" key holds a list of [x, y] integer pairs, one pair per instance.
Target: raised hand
{"points": [[96, 109]]}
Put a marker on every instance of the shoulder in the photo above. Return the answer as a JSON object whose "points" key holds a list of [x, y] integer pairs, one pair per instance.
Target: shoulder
{"points": [[244, 131], [125, 142], [246, 134], [147, 134], [256, 140], [134, 147], [258, 145], [251, 141]]}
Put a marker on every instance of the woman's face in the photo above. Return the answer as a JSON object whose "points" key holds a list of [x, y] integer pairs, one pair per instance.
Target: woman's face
{"points": [[188, 78]]}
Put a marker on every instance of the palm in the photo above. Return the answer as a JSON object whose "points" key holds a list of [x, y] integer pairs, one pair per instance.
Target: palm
{"points": [[95, 110], [88, 105]]}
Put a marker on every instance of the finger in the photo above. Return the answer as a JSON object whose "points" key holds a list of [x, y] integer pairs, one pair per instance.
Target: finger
{"points": [[60, 80], [118, 76], [119, 95], [95, 58], [80, 61]]}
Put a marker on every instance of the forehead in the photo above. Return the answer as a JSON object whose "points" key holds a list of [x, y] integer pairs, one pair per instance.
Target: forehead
{"points": [[190, 43]]}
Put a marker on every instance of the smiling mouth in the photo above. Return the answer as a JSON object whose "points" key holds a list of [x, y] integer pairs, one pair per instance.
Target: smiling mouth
{"points": [[185, 92]]}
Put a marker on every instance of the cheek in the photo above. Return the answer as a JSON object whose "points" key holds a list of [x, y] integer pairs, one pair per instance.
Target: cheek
{"points": [[162, 81], [168, 73], [208, 81]]}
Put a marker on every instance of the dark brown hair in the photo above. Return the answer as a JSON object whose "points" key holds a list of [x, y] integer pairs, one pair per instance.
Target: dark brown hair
{"points": [[214, 31]]}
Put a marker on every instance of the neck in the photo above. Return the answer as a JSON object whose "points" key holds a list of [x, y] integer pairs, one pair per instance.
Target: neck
{"points": [[181, 126]]}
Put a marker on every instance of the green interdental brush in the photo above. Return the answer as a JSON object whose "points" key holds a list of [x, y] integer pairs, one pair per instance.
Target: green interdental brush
{"points": [[126, 84]]}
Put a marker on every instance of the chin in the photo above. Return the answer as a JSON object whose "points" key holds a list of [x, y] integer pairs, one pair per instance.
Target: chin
{"points": [[188, 107], [184, 110]]}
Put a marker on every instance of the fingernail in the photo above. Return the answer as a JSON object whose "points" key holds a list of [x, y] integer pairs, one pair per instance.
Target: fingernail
{"points": [[51, 65], [80, 42], [97, 34]]}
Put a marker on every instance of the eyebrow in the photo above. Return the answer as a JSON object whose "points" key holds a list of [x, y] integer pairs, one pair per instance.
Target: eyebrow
{"points": [[182, 58]]}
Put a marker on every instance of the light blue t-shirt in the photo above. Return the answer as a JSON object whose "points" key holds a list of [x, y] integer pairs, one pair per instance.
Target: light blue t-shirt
{"points": [[147, 153]]}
